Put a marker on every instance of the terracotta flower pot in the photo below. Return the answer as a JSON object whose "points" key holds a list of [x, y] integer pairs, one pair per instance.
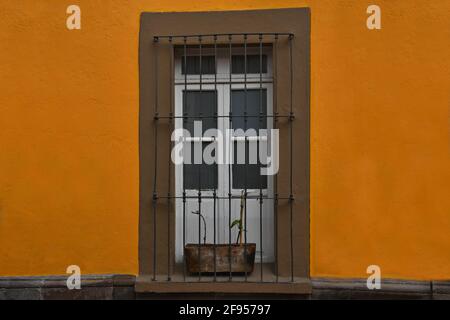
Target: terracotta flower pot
{"points": [[240, 261]]}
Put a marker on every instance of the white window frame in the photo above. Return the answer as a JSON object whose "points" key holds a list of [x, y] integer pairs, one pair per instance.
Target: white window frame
{"points": [[223, 86]]}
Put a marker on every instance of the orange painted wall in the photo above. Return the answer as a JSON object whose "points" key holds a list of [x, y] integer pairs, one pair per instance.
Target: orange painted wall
{"points": [[380, 178]]}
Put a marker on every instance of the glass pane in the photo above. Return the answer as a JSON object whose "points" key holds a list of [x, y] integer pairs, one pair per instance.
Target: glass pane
{"points": [[247, 175], [198, 103], [200, 176], [253, 106], [253, 64], [193, 65]]}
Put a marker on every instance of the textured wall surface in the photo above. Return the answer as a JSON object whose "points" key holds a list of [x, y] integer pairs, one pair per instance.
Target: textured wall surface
{"points": [[379, 135]]}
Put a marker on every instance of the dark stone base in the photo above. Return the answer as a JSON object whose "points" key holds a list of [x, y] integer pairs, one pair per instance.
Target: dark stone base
{"points": [[351, 289], [122, 287], [93, 287], [219, 296]]}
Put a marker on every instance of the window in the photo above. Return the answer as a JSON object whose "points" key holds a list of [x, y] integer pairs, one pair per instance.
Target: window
{"points": [[222, 101], [253, 103], [254, 64], [193, 65], [199, 106], [200, 68]]}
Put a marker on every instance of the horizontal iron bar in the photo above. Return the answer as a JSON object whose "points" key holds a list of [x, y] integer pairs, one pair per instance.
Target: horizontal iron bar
{"points": [[224, 116], [224, 197], [288, 34], [233, 138], [211, 82]]}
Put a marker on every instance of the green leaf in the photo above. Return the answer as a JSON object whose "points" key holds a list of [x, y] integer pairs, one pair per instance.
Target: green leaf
{"points": [[236, 222]]}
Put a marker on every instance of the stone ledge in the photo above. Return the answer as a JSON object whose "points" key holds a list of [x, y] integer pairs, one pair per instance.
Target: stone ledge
{"points": [[441, 287], [120, 287], [102, 287], [387, 285], [59, 281], [441, 290], [331, 288], [145, 284]]}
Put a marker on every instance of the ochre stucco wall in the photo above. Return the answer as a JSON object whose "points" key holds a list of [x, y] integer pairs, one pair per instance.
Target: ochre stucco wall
{"points": [[379, 136]]}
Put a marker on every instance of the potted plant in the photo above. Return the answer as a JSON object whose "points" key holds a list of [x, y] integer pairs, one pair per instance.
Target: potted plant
{"points": [[242, 255]]}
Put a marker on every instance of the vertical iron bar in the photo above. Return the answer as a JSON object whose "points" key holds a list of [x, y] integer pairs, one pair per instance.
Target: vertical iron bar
{"points": [[200, 168], [216, 173], [258, 146], [169, 160], [291, 198], [155, 194], [245, 148], [229, 164], [275, 124], [184, 173]]}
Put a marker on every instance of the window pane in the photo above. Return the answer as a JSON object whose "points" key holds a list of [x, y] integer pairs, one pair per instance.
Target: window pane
{"points": [[253, 106], [253, 64], [193, 65], [196, 103], [203, 175], [247, 175]]}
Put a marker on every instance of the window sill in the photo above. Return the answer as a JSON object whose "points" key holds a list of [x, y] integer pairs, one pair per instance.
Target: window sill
{"points": [[145, 284]]}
